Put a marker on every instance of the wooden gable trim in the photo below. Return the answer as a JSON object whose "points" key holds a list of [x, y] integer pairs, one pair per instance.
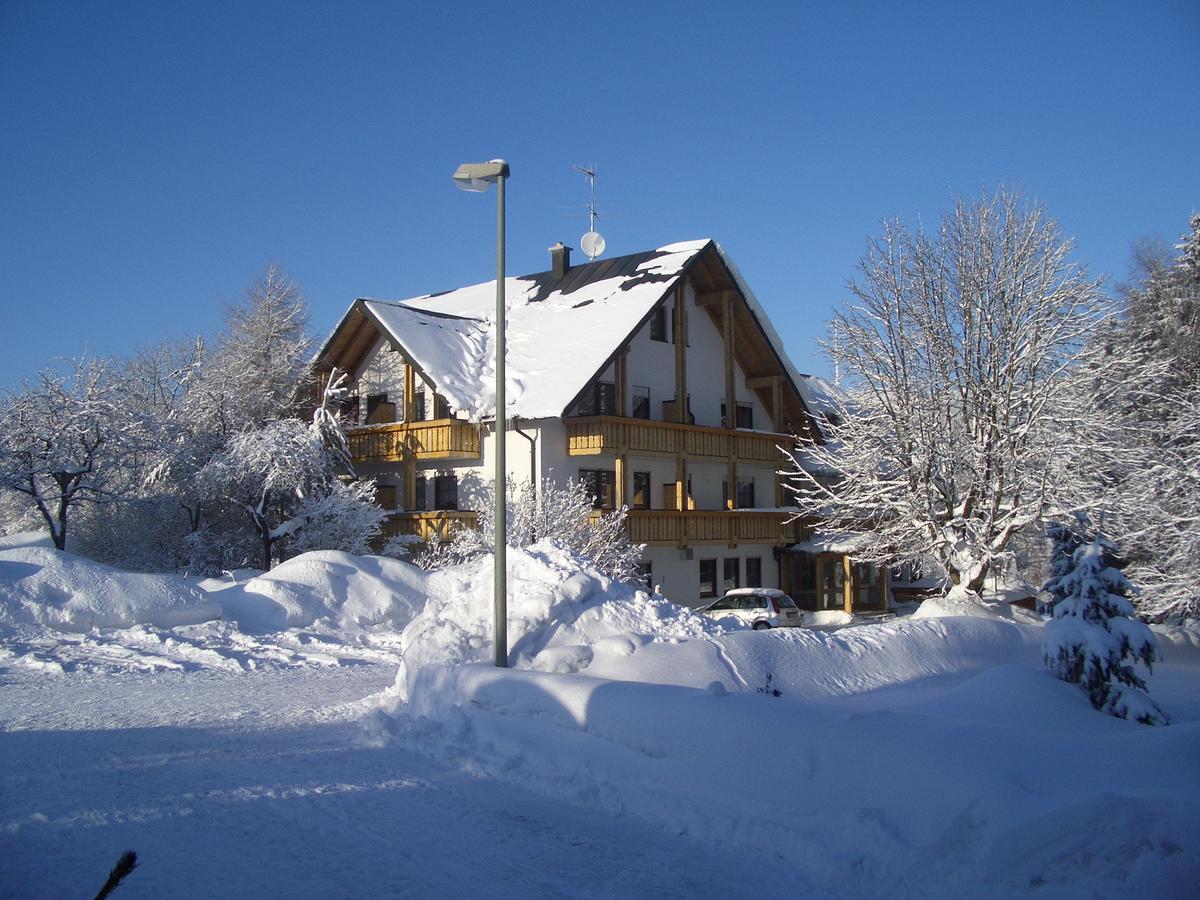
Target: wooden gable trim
{"points": [[769, 387]]}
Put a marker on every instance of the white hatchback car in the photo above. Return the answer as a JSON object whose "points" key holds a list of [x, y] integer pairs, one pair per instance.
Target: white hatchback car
{"points": [[757, 607]]}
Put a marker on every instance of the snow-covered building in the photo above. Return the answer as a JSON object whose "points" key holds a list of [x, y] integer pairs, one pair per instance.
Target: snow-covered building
{"points": [[655, 377]]}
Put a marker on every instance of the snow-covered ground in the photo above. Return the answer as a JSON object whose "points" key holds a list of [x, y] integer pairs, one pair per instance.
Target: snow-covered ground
{"points": [[328, 730]]}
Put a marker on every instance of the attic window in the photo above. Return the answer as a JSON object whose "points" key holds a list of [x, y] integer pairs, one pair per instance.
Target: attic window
{"points": [[581, 303], [599, 399], [658, 324]]}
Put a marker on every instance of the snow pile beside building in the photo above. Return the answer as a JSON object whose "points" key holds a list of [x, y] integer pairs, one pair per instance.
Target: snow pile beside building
{"points": [[563, 616], [43, 586]]}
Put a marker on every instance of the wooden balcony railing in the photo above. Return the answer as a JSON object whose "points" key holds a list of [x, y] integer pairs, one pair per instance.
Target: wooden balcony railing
{"points": [[396, 441], [663, 527], [426, 524], [592, 435]]}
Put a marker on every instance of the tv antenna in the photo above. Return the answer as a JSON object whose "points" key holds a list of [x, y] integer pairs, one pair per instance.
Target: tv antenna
{"points": [[591, 243]]}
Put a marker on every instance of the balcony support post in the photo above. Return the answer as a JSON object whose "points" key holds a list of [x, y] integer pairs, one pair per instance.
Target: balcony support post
{"points": [[680, 338]]}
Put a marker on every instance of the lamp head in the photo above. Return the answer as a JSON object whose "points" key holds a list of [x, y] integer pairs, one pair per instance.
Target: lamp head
{"points": [[477, 176]]}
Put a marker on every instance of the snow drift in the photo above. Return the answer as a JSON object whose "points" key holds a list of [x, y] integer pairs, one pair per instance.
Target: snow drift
{"points": [[44, 586]]}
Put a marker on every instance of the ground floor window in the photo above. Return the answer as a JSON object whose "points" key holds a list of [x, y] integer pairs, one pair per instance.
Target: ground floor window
{"points": [[708, 578], [729, 580], [417, 501], [754, 571], [445, 492]]}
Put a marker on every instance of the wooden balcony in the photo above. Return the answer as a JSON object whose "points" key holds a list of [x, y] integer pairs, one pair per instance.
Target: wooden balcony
{"points": [[426, 524], [594, 435], [397, 441], [668, 527]]}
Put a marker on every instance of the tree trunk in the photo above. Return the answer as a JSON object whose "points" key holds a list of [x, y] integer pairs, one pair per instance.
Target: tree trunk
{"points": [[60, 533]]}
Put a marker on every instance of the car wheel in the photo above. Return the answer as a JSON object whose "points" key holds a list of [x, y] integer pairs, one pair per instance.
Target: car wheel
{"points": [[761, 626]]}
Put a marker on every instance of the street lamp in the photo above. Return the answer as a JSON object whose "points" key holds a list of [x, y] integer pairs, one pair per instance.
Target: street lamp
{"points": [[477, 177]]}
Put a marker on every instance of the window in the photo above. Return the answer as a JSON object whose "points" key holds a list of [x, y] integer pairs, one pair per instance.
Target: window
{"points": [[745, 493], [601, 484], [730, 573], [598, 399], [754, 571], [441, 408], [641, 490], [417, 501], [658, 324], [419, 405], [708, 578], [745, 416], [377, 408], [445, 492], [641, 402], [646, 573], [670, 500], [385, 496]]}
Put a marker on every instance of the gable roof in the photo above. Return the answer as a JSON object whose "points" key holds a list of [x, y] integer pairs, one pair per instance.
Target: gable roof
{"points": [[560, 332]]}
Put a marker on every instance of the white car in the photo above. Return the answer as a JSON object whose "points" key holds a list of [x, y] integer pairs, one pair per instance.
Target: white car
{"points": [[757, 607]]}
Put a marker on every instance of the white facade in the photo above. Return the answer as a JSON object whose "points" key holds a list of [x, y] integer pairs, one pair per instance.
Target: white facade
{"points": [[688, 501]]}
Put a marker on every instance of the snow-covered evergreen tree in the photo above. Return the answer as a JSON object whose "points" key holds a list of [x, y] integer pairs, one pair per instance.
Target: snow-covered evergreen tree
{"points": [[1092, 632], [562, 512]]}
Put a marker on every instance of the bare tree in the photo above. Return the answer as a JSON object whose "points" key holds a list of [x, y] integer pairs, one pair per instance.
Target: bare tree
{"points": [[563, 513], [69, 439], [954, 346], [1140, 390]]}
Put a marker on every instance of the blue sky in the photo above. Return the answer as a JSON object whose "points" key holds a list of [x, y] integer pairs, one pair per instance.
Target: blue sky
{"points": [[156, 156]]}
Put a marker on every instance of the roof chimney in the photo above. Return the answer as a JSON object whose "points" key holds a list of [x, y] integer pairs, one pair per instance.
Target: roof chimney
{"points": [[560, 259]]}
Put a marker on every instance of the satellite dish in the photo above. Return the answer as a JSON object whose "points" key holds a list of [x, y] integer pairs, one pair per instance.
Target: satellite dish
{"points": [[592, 244]]}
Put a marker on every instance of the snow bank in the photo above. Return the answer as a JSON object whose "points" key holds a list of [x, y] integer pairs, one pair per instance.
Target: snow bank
{"points": [[47, 587], [563, 616], [349, 592], [959, 603], [26, 539], [897, 758]]}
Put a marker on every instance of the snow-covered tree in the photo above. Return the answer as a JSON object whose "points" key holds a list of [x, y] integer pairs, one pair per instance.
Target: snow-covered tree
{"points": [[1092, 632], [258, 363], [1137, 402], [954, 347], [284, 476], [67, 440], [562, 512]]}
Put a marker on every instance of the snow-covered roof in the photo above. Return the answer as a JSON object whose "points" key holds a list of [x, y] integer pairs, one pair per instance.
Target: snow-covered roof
{"points": [[560, 330], [559, 334]]}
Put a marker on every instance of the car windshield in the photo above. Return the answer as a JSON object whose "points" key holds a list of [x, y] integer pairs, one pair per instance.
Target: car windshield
{"points": [[785, 600]]}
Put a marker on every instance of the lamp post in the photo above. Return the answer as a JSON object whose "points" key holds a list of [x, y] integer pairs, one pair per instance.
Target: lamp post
{"points": [[477, 177]]}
